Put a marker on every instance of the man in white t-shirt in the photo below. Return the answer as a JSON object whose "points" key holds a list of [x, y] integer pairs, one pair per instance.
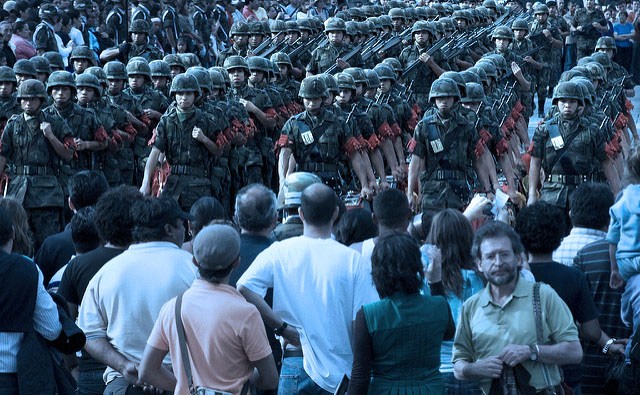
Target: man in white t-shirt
{"points": [[318, 286]]}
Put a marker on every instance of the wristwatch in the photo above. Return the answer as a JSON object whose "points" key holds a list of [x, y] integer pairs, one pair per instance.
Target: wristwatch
{"points": [[280, 331], [605, 349], [533, 348]]}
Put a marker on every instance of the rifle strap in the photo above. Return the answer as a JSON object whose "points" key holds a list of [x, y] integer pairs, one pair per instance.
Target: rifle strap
{"points": [[554, 132], [449, 140], [317, 133]]}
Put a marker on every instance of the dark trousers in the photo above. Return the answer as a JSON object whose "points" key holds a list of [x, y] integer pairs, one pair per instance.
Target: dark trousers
{"points": [[9, 384]]}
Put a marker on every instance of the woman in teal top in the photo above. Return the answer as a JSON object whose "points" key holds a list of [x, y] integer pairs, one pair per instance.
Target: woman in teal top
{"points": [[397, 339]]}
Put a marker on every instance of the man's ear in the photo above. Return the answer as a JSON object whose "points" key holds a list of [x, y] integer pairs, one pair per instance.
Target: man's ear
{"points": [[301, 214], [374, 218]]}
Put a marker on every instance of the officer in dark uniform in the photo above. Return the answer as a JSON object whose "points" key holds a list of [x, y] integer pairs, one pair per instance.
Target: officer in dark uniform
{"points": [[565, 148], [44, 36], [35, 143], [317, 140], [189, 140], [324, 57], [116, 22]]}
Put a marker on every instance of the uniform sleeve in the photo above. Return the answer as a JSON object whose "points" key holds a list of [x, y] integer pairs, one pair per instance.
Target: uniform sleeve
{"points": [[158, 337], [312, 67], [602, 143], [539, 141], [40, 37], [417, 145], [254, 337], [259, 276], [6, 147], [558, 316], [161, 142]]}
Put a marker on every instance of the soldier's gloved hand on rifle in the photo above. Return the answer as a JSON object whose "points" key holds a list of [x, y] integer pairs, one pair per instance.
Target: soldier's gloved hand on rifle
{"points": [[425, 58], [342, 64], [124, 47], [516, 69], [248, 105], [546, 33]]}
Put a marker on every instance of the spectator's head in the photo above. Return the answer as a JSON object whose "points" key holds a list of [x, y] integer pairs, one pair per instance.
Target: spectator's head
{"points": [[622, 17], [22, 236], [6, 230], [590, 205], [632, 167], [205, 210], [541, 227], [318, 206], [396, 265], [6, 29], [451, 232], [113, 215], [158, 219], [256, 209], [216, 251], [22, 29], [85, 188], [391, 210], [355, 225], [83, 230], [497, 248]]}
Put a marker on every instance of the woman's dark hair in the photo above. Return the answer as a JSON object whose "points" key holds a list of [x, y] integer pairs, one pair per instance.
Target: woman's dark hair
{"points": [[19, 26], [205, 210], [451, 232], [22, 236], [396, 265], [355, 226]]}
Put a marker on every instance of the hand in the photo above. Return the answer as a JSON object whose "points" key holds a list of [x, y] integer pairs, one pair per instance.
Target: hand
{"points": [[528, 59], [488, 367], [616, 280], [434, 270], [616, 349], [342, 64], [130, 373], [412, 202], [248, 105], [579, 28], [514, 354], [595, 24], [291, 335], [366, 193], [81, 145], [476, 207], [547, 33], [516, 198], [152, 113], [145, 189], [516, 69], [198, 134], [425, 58], [46, 129], [384, 185]]}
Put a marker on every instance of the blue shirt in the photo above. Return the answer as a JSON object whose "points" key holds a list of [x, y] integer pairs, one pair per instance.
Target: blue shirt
{"points": [[623, 29]]}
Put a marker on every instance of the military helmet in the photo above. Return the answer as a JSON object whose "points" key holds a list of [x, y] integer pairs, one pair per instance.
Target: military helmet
{"points": [[87, 79], [449, 24], [439, 8], [352, 28], [202, 76], [292, 26], [185, 83], [217, 79], [305, 24], [137, 67], [540, 9], [421, 26], [571, 74], [190, 59], [292, 188], [460, 14], [584, 60], [591, 90], [48, 11], [55, 59], [455, 76], [159, 68], [41, 64], [372, 79], [239, 28], [60, 78], [604, 60], [236, 62], [225, 75], [470, 76], [498, 61], [582, 70], [281, 58], [489, 4], [489, 69], [586, 96], [334, 25], [385, 72], [606, 42], [520, 24], [138, 59], [7, 74], [429, 12], [330, 81], [358, 75], [597, 71], [24, 67], [356, 12], [82, 52], [502, 32], [385, 21], [397, 13], [480, 72], [475, 93], [394, 63], [444, 87], [258, 63], [255, 28], [313, 87], [139, 26], [31, 88], [97, 72], [567, 90], [174, 60], [277, 26], [115, 70], [410, 13]]}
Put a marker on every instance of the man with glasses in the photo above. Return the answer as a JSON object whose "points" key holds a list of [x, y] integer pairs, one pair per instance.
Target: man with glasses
{"points": [[497, 326]]}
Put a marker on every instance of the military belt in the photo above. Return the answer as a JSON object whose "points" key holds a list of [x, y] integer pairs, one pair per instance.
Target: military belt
{"points": [[566, 179], [439, 175], [34, 170], [188, 171], [320, 167]]}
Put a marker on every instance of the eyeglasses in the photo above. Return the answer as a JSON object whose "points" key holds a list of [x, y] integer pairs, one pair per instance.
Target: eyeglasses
{"points": [[505, 256]]}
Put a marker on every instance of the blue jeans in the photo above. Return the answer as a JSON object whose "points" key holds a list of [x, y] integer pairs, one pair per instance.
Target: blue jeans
{"points": [[90, 383], [294, 380]]}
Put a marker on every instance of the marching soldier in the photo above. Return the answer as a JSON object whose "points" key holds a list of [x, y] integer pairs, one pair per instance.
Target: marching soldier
{"points": [[81, 58], [8, 103], [35, 143], [588, 24], [324, 57], [240, 38], [139, 45], [160, 76]]}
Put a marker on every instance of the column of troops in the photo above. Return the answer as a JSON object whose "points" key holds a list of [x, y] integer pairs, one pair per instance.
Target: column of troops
{"points": [[435, 100]]}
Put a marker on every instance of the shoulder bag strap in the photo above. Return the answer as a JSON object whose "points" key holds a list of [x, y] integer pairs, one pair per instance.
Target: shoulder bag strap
{"points": [[555, 132], [537, 312], [184, 350], [449, 140]]}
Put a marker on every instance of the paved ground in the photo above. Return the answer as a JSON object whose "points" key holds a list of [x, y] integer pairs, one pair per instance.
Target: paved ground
{"points": [[534, 120]]}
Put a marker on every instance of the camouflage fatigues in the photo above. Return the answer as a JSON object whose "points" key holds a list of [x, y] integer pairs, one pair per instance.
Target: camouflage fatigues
{"points": [[324, 57], [423, 76], [587, 38], [545, 55]]}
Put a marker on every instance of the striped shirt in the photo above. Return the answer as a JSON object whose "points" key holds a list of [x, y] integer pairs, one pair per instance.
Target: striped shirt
{"points": [[578, 238]]}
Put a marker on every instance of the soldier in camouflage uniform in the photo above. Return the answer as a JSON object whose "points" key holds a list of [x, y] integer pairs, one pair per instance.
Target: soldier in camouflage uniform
{"points": [[564, 30], [522, 47], [88, 134], [24, 70], [317, 141], [429, 68], [588, 24], [443, 145], [44, 36], [81, 58], [285, 81], [324, 57], [42, 67], [55, 60], [189, 140], [8, 103], [35, 144], [565, 147], [240, 37], [139, 45], [546, 36], [160, 76], [263, 116]]}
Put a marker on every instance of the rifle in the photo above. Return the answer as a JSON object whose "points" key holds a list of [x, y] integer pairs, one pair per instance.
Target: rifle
{"points": [[263, 45], [505, 99], [395, 40], [614, 92], [374, 48], [333, 69], [407, 91], [317, 41], [521, 63], [267, 52], [435, 47]]}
